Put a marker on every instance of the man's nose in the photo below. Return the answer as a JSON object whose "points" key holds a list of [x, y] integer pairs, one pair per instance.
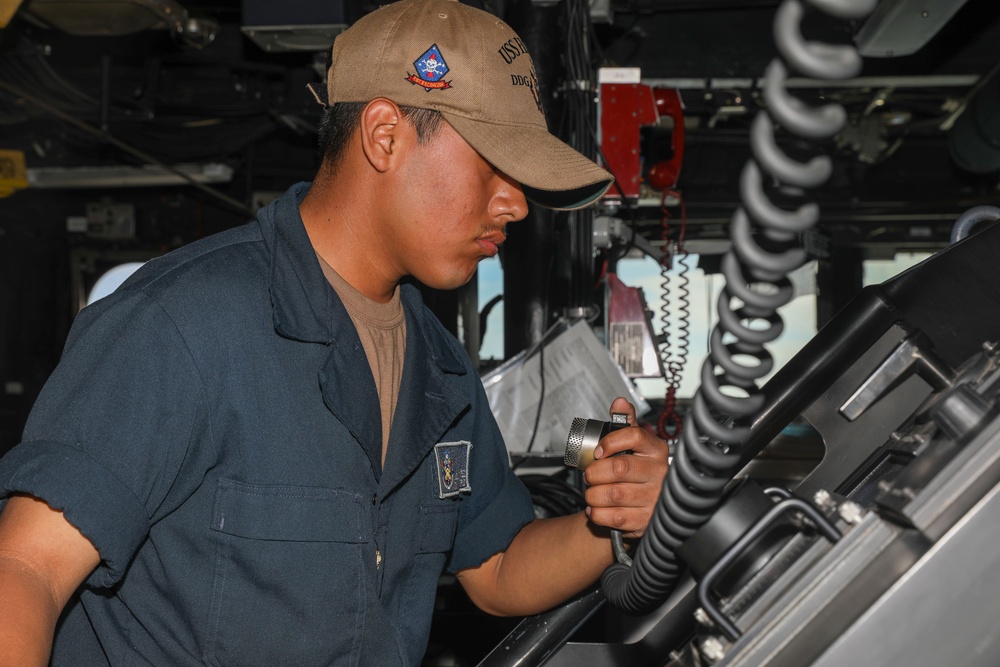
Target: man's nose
{"points": [[509, 201]]}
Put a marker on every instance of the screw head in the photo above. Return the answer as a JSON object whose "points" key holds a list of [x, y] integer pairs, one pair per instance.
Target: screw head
{"points": [[713, 649], [851, 512], [822, 498]]}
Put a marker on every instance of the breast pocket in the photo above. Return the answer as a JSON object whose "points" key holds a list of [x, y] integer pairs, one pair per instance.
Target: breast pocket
{"points": [[436, 527], [432, 537], [289, 587]]}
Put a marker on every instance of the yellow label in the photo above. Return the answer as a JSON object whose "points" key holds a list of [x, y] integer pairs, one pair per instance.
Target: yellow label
{"points": [[7, 10], [13, 174]]}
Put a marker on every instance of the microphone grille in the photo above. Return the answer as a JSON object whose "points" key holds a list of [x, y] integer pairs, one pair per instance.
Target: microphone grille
{"points": [[574, 442]]}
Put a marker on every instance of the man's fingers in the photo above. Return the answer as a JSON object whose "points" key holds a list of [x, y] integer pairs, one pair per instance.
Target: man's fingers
{"points": [[631, 439], [631, 521], [614, 469], [623, 494], [638, 468], [624, 507]]}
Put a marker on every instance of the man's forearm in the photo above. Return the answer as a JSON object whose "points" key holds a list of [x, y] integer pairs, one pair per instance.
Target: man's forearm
{"points": [[28, 615], [549, 561], [43, 560]]}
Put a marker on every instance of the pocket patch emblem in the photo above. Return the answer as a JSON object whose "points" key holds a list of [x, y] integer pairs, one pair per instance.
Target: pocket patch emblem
{"points": [[452, 466]]}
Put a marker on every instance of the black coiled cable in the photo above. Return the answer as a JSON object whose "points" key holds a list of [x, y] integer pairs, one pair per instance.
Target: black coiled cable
{"points": [[675, 308], [756, 271]]}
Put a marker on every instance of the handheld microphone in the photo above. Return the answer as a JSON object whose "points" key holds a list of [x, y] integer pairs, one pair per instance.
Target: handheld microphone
{"points": [[584, 436]]}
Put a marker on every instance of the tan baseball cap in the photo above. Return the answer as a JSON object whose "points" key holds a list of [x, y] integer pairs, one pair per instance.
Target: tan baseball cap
{"points": [[474, 69]]}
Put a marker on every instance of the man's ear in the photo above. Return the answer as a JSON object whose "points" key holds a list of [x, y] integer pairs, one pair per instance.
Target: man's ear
{"points": [[382, 129]]}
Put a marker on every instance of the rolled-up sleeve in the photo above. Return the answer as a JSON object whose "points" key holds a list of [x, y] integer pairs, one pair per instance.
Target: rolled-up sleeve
{"points": [[113, 428], [89, 495], [499, 505]]}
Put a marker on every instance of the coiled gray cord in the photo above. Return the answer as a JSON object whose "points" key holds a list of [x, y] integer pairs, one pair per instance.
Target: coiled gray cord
{"points": [[708, 454], [971, 218]]}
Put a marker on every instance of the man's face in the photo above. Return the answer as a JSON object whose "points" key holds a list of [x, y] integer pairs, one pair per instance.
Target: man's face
{"points": [[451, 211]]}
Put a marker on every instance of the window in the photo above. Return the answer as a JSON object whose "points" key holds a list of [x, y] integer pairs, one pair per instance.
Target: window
{"points": [[875, 271], [111, 279], [799, 315], [490, 276]]}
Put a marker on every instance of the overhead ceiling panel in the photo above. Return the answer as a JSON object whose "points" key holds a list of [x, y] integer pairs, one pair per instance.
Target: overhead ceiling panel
{"points": [[107, 17]]}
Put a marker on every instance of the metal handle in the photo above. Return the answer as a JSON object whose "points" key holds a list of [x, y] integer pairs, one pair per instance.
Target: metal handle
{"points": [[823, 524], [912, 356]]}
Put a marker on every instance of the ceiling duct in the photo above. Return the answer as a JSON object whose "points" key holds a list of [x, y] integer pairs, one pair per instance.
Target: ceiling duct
{"points": [[108, 17], [902, 27], [293, 25]]}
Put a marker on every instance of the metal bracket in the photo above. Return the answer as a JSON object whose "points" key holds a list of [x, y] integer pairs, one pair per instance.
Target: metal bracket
{"points": [[792, 504]]}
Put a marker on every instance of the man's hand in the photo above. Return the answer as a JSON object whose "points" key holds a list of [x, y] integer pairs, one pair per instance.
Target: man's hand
{"points": [[552, 559], [623, 490]]}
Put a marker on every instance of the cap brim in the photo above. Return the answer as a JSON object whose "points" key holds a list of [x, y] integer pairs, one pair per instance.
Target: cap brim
{"points": [[551, 173]]}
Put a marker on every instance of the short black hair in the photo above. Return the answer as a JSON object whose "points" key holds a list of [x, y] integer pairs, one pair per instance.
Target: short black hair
{"points": [[339, 121]]}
